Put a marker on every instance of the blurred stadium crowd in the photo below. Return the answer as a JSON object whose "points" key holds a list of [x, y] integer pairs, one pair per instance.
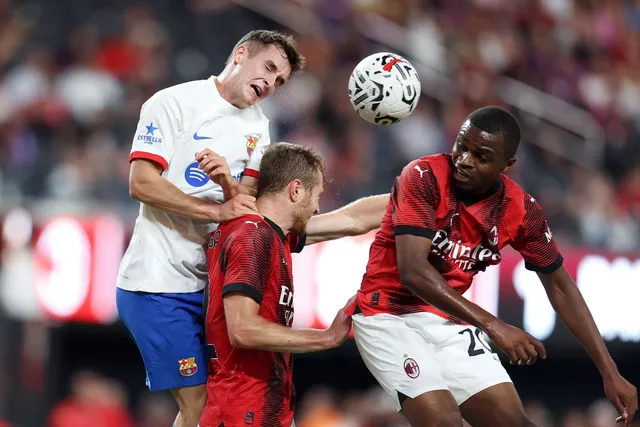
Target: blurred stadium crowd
{"points": [[74, 73]]}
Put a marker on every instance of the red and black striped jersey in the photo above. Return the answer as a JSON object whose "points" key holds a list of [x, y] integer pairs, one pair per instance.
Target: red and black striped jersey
{"points": [[466, 235], [252, 256]]}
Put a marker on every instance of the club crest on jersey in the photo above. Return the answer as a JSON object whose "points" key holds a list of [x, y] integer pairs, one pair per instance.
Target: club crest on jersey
{"points": [[411, 367], [188, 366], [252, 143], [248, 418]]}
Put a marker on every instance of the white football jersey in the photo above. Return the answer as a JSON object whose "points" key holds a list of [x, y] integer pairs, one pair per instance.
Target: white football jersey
{"points": [[167, 251]]}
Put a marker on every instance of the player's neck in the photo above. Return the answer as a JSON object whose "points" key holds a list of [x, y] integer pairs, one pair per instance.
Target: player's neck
{"points": [[224, 88], [272, 208]]}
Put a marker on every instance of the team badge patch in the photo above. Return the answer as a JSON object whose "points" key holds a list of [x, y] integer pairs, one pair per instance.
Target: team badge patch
{"points": [[252, 143], [248, 418], [411, 367], [188, 366]]}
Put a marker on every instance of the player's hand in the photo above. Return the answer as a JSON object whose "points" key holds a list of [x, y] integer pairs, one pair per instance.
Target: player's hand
{"points": [[215, 166], [242, 204], [341, 326], [522, 348], [623, 395]]}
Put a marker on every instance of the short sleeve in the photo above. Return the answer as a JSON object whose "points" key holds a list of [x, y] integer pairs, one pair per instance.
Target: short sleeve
{"points": [[296, 243], [257, 144], [535, 242], [415, 197], [246, 261], [158, 129]]}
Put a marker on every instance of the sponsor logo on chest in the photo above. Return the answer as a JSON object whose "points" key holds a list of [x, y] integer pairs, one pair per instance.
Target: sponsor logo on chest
{"points": [[464, 255]]}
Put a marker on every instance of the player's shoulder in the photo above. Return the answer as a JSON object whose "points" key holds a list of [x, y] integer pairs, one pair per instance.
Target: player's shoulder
{"points": [[248, 227], [519, 200], [437, 165], [191, 92]]}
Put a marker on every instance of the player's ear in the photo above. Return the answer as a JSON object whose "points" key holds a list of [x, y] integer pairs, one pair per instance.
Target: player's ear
{"points": [[296, 190], [239, 53], [510, 163]]}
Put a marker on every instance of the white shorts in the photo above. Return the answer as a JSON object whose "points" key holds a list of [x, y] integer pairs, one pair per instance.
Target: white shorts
{"points": [[416, 353]]}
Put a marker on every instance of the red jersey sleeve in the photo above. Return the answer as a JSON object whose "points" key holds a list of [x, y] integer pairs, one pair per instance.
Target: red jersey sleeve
{"points": [[246, 260], [535, 241], [296, 243], [415, 197]]}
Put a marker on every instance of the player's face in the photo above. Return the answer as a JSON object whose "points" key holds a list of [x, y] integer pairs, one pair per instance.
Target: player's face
{"points": [[309, 206], [258, 75], [478, 159]]}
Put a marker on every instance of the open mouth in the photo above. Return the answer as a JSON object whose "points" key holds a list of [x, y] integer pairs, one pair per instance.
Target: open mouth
{"points": [[462, 174], [257, 90]]}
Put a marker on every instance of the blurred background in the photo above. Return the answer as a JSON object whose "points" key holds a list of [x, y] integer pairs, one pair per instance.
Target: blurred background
{"points": [[74, 73]]}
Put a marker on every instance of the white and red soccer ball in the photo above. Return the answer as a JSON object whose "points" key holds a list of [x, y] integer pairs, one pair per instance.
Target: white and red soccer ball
{"points": [[384, 88]]}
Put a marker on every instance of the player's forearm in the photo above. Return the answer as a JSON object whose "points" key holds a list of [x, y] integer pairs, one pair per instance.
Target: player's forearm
{"points": [[154, 190], [260, 334], [428, 284], [567, 301], [354, 219]]}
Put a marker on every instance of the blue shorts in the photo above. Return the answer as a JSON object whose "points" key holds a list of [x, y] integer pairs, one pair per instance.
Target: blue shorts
{"points": [[169, 332]]}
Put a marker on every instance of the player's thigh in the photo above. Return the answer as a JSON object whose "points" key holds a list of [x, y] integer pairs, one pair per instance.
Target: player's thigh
{"points": [[435, 408], [169, 332], [468, 364], [191, 398], [496, 406], [398, 358]]}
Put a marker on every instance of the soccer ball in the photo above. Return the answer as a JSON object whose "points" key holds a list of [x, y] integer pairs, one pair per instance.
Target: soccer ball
{"points": [[384, 88]]}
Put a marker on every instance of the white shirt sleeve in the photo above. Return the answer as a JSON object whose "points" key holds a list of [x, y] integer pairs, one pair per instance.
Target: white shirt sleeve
{"points": [[253, 167], [158, 129]]}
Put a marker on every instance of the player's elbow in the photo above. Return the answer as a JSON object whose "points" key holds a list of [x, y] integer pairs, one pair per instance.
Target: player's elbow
{"points": [[240, 336], [135, 190], [415, 279]]}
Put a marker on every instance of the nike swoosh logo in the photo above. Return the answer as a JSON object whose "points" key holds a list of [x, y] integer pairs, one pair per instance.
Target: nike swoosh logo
{"points": [[199, 138]]}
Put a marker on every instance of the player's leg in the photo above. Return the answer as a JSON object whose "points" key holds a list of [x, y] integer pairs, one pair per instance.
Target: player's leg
{"points": [[473, 373], [191, 401], [496, 406], [402, 363], [168, 330], [435, 408]]}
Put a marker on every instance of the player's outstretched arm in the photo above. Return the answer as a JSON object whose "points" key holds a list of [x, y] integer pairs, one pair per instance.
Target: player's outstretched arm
{"points": [[247, 329], [417, 274], [356, 218], [149, 187], [567, 301]]}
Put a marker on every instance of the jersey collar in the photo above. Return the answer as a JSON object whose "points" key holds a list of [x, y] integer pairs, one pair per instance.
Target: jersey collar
{"points": [[276, 228]]}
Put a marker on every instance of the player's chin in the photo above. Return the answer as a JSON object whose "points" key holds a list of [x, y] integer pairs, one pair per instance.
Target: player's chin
{"points": [[251, 97], [463, 184]]}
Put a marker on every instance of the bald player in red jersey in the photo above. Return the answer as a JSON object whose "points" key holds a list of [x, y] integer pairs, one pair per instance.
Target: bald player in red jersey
{"points": [[447, 219], [250, 304]]}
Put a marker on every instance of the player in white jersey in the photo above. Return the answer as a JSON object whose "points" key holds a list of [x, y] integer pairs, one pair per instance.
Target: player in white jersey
{"points": [[163, 272]]}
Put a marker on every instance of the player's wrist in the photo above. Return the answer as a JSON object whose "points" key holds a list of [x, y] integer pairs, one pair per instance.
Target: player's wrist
{"points": [[212, 211], [608, 369]]}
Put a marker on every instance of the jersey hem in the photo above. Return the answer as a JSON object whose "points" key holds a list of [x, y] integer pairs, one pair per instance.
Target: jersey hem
{"points": [[149, 156], [243, 288]]}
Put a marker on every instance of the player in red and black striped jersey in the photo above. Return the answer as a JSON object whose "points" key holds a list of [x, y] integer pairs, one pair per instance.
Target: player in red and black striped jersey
{"points": [[447, 219], [250, 302]]}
